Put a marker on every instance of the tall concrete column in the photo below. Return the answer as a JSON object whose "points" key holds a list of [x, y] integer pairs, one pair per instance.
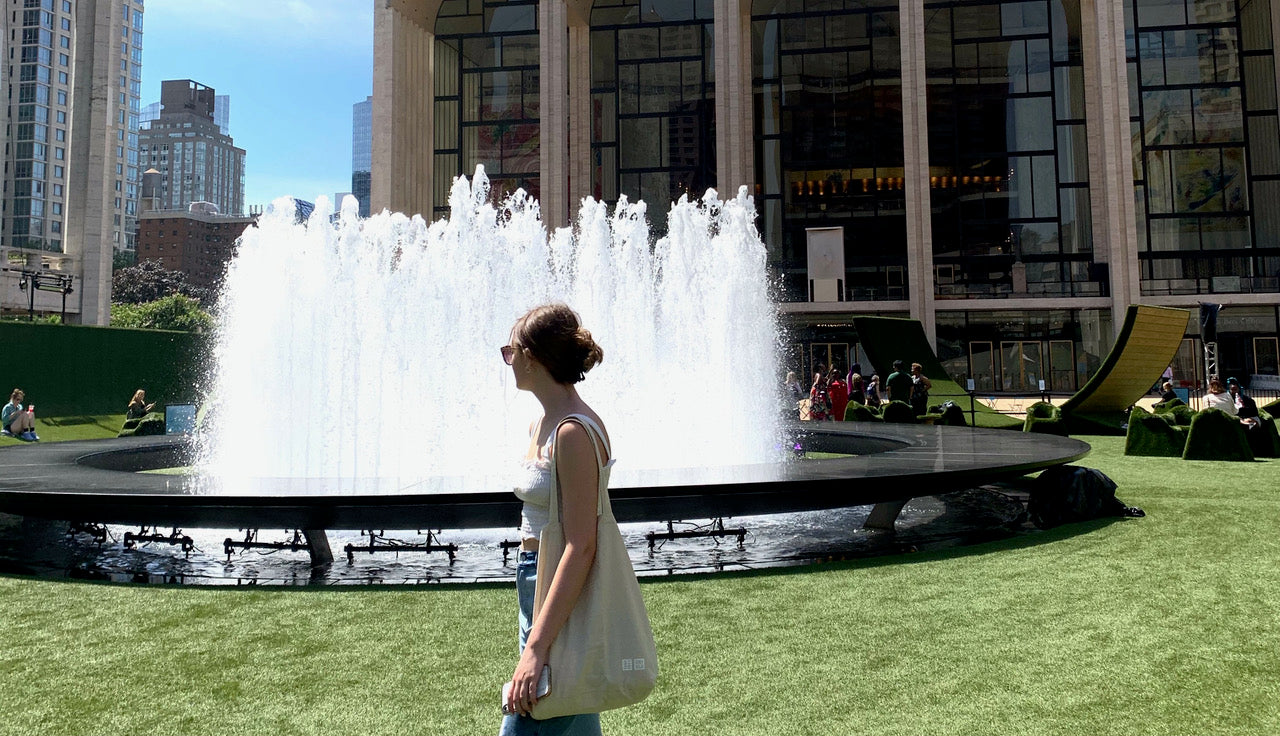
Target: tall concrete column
{"points": [[580, 159], [90, 182], [1275, 40], [1106, 87], [734, 111], [403, 106], [553, 111], [915, 149]]}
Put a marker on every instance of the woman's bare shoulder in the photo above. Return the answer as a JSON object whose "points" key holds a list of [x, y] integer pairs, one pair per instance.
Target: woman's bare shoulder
{"points": [[577, 433]]}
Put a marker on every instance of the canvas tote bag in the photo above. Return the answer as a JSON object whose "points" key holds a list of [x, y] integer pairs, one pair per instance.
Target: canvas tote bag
{"points": [[605, 656]]}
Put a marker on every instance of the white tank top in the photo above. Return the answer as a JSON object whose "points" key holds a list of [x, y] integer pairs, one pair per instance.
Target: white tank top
{"points": [[534, 487]]}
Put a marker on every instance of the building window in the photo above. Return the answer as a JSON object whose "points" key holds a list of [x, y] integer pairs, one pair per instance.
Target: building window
{"points": [[832, 73], [1206, 146], [1009, 183], [652, 83], [487, 95]]}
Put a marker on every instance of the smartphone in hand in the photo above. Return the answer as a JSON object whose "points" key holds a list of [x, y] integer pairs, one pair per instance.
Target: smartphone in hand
{"points": [[544, 689]]}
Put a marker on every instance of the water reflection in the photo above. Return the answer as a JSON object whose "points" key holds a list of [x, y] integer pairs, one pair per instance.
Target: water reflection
{"points": [[44, 549]]}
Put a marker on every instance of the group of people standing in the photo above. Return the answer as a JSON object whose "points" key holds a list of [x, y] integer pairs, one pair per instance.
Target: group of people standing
{"points": [[832, 391]]}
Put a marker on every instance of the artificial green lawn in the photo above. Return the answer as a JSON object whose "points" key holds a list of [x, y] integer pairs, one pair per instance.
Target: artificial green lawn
{"points": [[1164, 625], [62, 429]]}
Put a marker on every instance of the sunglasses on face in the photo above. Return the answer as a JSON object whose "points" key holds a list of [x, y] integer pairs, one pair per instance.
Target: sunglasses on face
{"points": [[508, 353]]}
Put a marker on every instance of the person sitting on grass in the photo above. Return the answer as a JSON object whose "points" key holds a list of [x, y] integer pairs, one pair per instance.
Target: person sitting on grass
{"points": [[1167, 393], [138, 406], [1218, 398], [18, 423]]}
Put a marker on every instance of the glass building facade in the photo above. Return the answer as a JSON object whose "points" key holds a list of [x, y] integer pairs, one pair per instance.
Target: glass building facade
{"points": [[974, 152], [42, 61], [486, 96], [828, 89], [196, 161], [652, 92], [1008, 157], [1206, 145], [362, 152]]}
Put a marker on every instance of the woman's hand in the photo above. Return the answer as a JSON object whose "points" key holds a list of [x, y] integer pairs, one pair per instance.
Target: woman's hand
{"points": [[524, 683]]}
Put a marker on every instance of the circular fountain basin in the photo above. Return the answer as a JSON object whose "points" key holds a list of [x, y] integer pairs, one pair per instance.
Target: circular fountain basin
{"points": [[98, 481]]}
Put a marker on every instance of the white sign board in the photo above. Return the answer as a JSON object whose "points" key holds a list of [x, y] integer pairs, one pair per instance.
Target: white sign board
{"points": [[826, 263]]}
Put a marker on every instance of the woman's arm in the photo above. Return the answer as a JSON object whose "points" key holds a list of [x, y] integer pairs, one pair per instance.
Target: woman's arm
{"points": [[579, 478]]}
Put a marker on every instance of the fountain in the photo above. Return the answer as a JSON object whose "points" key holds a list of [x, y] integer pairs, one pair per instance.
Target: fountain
{"points": [[357, 384], [366, 353]]}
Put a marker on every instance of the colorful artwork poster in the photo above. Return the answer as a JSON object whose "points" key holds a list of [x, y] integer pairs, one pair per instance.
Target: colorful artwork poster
{"points": [[1208, 180]]}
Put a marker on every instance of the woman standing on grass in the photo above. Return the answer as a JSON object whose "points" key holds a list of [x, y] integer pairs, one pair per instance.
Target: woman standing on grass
{"points": [[549, 353], [920, 385]]}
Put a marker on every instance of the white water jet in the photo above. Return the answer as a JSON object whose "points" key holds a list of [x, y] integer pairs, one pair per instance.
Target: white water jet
{"points": [[363, 355]]}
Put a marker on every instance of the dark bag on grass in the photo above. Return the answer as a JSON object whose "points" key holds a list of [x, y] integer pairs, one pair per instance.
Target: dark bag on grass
{"points": [[1068, 493]]}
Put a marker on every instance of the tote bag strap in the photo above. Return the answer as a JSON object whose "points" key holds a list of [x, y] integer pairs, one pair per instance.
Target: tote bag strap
{"points": [[597, 437]]}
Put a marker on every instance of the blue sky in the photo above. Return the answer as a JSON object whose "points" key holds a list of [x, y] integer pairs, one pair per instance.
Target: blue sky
{"points": [[293, 69]]}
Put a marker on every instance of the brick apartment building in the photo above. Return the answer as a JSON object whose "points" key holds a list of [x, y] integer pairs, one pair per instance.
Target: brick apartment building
{"points": [[198, 244]]}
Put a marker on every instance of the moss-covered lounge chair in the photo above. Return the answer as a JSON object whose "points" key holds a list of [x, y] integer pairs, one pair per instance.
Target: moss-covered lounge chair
{"points": [[1217, 435], [898, 412], [856, 412], [1154, 435], [151, 424], [1044, 418]]}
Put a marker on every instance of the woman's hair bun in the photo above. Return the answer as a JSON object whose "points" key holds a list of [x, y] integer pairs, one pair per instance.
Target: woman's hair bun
{"points": [[593, 354], [556, 338]]}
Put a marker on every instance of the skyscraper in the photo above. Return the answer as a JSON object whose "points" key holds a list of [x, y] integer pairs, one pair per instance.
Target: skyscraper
{"points": [[221, 113], [71, 172], [196, 160], [362, 152]]}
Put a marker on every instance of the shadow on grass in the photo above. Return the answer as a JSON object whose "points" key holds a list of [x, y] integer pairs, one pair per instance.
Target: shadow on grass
{"points": [[71, 421], [106, 423]]}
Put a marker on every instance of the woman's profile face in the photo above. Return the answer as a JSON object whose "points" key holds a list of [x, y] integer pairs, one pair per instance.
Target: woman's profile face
{"points": [[519, 362]]}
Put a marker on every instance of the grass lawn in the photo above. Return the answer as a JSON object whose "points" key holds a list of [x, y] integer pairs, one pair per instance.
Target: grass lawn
{"points": [[62, 429], [1163, 625]]}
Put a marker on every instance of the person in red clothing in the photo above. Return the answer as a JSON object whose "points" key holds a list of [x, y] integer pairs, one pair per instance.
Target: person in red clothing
{"points": [[819, 399], [839, 394]]}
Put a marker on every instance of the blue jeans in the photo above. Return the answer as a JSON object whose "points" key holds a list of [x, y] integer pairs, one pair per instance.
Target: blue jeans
{"points": [[582, 725]]}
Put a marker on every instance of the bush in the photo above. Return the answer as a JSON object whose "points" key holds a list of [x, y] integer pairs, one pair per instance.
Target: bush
{"points": [[1044, 418], [898, 412], [173, 312], [1217, 435], [1153, 435], [1167, 405], [856, 412]]}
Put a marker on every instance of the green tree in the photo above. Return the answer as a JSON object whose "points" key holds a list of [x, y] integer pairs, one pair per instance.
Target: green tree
{"points": [[149, 281], [173, 312], [123, 259]]}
